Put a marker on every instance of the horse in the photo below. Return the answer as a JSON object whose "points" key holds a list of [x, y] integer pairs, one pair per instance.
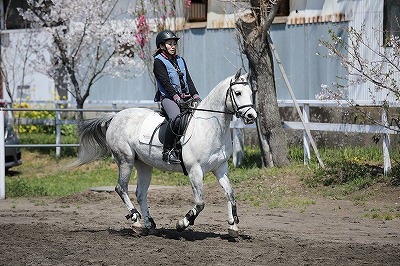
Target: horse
{"points": [[206, 146]]}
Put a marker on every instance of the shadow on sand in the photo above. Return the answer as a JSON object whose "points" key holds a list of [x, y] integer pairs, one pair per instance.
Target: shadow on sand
{"points": [[189, 235]]}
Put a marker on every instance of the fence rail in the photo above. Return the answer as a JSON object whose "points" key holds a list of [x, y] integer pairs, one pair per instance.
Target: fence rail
{"points": [[385, 131], [236, 125]]}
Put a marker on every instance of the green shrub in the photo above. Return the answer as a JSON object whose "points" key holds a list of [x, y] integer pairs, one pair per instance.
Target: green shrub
{"points": [[66, 130], [349, 170], [23, 187], [34, 115]]}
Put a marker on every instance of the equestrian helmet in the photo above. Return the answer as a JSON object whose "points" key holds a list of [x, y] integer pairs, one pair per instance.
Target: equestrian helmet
{"points": [[165, 35]]}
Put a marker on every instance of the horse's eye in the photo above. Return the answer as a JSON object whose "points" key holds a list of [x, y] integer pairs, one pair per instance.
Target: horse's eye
{"points": [[238, 93]]}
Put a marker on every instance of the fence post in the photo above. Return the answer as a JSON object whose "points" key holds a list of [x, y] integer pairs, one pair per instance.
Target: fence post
{"points": [[387, 165], [2, 158], [306, 139], [58, 130]]}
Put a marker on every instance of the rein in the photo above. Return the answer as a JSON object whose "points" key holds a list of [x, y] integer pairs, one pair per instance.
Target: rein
{"points": [[235, 107]]}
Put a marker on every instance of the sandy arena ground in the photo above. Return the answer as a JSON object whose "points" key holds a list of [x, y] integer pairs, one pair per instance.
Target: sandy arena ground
{"points": [[90, 229]]}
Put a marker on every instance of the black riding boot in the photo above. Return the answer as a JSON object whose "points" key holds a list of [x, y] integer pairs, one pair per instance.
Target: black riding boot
{"points": [[168, 154]]}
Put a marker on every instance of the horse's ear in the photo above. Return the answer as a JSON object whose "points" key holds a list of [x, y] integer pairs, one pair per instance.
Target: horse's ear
{"points": [[237, 76], [246, 76]]}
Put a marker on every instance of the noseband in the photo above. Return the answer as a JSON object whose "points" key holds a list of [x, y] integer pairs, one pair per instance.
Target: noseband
{"points": [[235, 106]]}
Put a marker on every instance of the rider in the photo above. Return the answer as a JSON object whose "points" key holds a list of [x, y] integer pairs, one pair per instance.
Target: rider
{"points": [[174, 85]]}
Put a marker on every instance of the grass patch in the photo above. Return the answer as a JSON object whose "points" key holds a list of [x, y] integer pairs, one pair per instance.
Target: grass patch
{"points": [[386, 214], [275, 197], [349, 171], [30, 179], [45, 175], [348, 174]]}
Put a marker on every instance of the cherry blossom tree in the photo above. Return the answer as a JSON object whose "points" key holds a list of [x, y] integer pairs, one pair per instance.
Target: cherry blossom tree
{"points": [[367, 61], [87, 40], [151, 17], [14, 63]]}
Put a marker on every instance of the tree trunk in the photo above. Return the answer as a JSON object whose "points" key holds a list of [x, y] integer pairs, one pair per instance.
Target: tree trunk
{"points": [[269, 120], [79, 105], [272, 137]]}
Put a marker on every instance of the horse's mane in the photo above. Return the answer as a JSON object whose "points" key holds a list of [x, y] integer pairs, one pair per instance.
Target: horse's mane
{"points": [[218, 90]]}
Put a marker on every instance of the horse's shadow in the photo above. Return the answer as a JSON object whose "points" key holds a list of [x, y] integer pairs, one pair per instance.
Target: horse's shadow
{"points": [[188, 234]]}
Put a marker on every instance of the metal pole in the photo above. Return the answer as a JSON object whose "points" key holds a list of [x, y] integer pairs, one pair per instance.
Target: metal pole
{"points": [[58, 130], [2, 158], [306, 140], [387, 165]]}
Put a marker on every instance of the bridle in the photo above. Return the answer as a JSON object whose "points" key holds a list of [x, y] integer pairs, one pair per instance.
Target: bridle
{"points": [[235, 107]]}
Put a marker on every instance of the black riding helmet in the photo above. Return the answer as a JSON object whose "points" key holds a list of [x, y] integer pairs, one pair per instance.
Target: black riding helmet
{"points": [[165, 35]]}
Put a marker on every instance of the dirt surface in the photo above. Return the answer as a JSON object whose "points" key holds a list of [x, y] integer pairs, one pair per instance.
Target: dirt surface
{"points": [[90, 229]]}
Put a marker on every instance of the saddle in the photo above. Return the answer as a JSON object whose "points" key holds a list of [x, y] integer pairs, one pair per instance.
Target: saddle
{"points": [[184, 118], [178, 131]]}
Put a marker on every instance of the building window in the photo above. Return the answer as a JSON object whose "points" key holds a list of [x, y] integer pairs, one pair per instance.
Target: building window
{"points": [[23, 91], [284, 9], [391, 19], [198, 11]]}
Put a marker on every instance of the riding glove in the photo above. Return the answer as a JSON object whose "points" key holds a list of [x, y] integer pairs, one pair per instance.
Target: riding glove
{"points": [[180, 102]]}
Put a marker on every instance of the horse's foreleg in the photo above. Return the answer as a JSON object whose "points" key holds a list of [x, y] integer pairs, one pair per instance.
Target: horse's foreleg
{"points": [[233, 219], [196, 180], [144, 172]]}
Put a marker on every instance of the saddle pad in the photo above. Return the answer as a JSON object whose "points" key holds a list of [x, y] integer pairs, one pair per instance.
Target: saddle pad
{"points": [[147, 129]]}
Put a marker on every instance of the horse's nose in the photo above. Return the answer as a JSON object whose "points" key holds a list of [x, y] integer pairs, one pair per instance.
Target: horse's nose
{"points": [[251, 117]]}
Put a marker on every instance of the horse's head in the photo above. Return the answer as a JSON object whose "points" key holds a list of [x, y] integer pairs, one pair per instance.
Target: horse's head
{"points": [[239, 98]]}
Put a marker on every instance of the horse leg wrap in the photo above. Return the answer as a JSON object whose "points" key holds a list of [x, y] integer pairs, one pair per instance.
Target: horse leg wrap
{"points": [[133, 215], [191, 216], [234, 214]]}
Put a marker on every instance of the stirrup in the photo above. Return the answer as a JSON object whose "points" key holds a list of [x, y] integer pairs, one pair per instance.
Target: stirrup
{"points": [[169, 157]]}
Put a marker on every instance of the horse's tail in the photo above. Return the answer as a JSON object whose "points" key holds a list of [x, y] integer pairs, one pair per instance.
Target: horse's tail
{"points": [[92, 140]]}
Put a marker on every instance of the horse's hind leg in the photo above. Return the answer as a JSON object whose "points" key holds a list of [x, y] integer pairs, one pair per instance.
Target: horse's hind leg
{"points": [[223, 179], [144, 172], [125, 167]]}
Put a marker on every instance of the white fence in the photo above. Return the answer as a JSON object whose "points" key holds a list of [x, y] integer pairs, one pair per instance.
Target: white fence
{"points": [[385, 131], [236, 125]]}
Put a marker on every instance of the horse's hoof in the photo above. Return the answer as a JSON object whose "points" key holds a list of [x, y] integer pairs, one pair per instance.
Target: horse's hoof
{"points": [[137, 224], [143, 231], [137, 231], [233, 233], [137, 228], [233, 230], [181, 225], [148, 230]]}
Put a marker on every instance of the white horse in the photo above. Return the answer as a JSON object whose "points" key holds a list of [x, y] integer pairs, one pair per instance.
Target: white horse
{"points": [[206, 147]]}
